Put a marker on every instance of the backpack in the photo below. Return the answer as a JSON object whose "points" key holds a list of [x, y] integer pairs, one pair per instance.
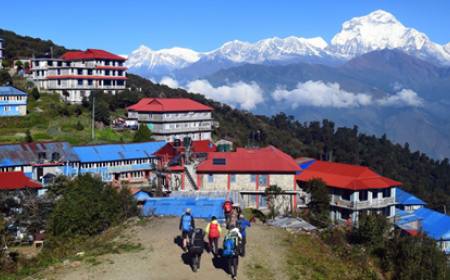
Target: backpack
{"points": [[186, 221], [197, 243], [229, 247], [214, 230], [227, 207]]}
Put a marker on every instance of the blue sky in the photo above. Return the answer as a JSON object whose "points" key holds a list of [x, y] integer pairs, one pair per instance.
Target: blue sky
{"points": [[121, 26]]}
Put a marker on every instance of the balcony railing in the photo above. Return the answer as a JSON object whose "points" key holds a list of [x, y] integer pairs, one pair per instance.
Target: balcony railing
{"points": [[161, 118], [375, 203], [182, 129]]}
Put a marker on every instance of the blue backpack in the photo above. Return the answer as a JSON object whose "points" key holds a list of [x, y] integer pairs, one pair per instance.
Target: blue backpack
{"points": [[186, 223], [229, 246]]}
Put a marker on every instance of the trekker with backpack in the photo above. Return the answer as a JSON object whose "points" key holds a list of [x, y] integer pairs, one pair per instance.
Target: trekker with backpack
{"points": [[234, 216], [196, 247], [227, 209], [213, 230], [187, 224], [243, 224], [231, 250]]}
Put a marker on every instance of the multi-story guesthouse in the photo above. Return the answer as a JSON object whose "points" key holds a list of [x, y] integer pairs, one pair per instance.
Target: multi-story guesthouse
{"points": [[75, 74], [173, 118], [1, 53], [249, 172], [13, 102], [353, 189], [134, 162]]}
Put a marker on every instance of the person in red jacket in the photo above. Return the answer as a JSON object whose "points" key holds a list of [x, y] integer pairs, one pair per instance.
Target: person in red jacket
{"points": [[227, 209], [213, 231]]}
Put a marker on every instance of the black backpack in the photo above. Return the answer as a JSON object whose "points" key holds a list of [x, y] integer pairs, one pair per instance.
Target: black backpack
{"points": [[197, 241]]}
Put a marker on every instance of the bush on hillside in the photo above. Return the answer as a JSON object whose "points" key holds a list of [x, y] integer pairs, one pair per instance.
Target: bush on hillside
{"points": [[142, 134], [88, 206], [35, 93], [371, 232], [320, 202]]}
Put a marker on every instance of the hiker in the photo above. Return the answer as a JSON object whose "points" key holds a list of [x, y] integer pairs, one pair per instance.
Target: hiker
{"points": [[196, 247], [235, 212], [231, 250], [213, 230], [243, 224], [227, 208], [187, 224]]}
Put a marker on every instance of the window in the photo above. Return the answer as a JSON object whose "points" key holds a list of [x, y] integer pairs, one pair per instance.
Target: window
{"points": [[80, 71], [89, 71], [387, 192], [387, 211], [345, 195], [375, 194], [80, 82], [362, 195], [263, 179], [262, 201], [253, 178], [90, 82], [345, 214], [106, 72], [210, 178], [233, 178]]}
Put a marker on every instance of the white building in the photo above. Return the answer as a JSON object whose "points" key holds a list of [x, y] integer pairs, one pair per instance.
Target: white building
{"points": [[75, 74], [354, 190], [173, 118]]}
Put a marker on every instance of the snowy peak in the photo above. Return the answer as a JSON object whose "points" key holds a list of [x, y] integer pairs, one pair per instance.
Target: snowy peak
{"points": [[172, 58]]}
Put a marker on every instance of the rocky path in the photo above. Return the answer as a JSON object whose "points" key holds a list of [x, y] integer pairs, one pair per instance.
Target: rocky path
{"points": [[162, 258]]}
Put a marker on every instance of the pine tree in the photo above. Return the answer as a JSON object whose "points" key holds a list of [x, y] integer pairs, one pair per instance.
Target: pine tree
{"points": [[35, 93], [143, 134], [28, 137]]}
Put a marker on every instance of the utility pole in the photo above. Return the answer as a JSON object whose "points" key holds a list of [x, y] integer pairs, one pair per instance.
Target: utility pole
{"points": [[93, 117]]}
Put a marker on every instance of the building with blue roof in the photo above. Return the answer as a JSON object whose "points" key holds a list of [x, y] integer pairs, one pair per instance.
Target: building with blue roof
{"points": [[433, 224], [406, 201], [134, 162], [13, 102]]}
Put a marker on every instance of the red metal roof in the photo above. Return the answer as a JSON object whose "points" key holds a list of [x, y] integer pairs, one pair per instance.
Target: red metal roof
{"points": [[16, 181], [91, 54], [263, 160], [161, 105], [346, 176]]}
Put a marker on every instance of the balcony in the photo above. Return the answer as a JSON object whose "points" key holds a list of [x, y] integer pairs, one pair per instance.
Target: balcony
{"points": [[359, 205], [162, 118], [182, 130]]}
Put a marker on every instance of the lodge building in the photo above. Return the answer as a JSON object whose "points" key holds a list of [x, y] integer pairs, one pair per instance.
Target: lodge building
{"points": [[173, 118], [76, 73], [13, 102]]}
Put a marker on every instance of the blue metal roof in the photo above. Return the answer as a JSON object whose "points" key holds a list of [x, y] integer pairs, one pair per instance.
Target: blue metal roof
{"points": [[113, 152], [11, 91], [405, 198], [201, 207], [28, 153], [434, 224]]}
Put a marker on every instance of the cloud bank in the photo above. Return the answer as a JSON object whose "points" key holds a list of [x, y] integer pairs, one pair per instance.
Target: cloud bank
{"points": [[331, 95], [240, 94], [170, 82]]}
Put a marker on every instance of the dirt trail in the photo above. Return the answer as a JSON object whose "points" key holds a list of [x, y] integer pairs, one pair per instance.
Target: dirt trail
{"points": [[162, 258]]}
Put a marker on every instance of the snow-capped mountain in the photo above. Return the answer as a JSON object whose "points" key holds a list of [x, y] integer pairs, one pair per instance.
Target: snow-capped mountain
{"points": [[381, 30], [375, 31]]}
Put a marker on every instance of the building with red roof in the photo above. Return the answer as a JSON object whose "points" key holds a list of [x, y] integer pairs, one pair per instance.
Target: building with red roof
{"points": [[250, 172], [354, 189], [77, 73], [16, 181], [173, 118]]}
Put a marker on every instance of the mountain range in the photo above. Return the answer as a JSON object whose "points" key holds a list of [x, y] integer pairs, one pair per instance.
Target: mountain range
{"points": [[375, 31]]}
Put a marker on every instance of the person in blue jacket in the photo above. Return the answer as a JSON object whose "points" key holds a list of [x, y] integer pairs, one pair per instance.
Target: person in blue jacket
{"points": [[187, 225], [243, 224]]}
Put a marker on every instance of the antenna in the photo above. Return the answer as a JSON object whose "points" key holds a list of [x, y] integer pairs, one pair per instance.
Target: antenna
{"points": [[93, 116]]}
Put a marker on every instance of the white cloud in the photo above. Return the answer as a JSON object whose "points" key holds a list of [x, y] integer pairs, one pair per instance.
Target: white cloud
{"points": [[241, 94], [405, 97], [320, 94], [168, 81]]}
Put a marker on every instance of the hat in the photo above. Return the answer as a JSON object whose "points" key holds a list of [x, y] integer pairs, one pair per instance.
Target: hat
{"points": [[213, 218], [188, 210], [241, 216]]}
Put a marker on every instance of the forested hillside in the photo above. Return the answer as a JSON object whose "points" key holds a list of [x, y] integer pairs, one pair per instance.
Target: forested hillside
{"points": [[423, 176], [17, 46]]}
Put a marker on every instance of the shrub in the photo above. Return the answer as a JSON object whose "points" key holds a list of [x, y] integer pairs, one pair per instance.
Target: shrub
{"points": [[320, 202], [143, 134], [88, 207], [79, 126], [35, 93]]}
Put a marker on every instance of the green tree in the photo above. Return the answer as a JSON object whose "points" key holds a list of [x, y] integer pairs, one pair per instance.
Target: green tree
{"points": [[79, 126], [88, 206], [35, 93], [142, 134], [320, 202], [371, 231], [102, 113], [28, 137], [272, 193], [5, 78]]}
